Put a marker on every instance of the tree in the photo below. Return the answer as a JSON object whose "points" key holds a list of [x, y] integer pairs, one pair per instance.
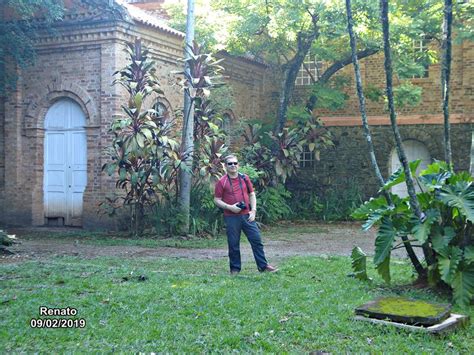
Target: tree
{"points": [[445, 75], [187, 142], [283, 32], [350, 24], [18, 30]]}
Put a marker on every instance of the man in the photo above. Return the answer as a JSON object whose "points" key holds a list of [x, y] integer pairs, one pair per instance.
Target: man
{"points": [[235, 195]]}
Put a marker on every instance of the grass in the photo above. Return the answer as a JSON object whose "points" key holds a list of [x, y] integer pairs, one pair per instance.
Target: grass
{"points": [[195, 306]]}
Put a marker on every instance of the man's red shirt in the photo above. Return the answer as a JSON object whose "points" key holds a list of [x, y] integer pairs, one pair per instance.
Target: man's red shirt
{"points": [[228, 189]]}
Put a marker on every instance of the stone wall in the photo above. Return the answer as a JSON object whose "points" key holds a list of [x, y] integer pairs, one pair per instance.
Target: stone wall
{"points": [[348, 162]]}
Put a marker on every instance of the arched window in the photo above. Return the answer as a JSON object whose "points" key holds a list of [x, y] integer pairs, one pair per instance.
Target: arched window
{"points": [[414, 150]]}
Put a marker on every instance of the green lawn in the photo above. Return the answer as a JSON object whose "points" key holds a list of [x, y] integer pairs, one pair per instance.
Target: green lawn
{"points": [[195, 306]]}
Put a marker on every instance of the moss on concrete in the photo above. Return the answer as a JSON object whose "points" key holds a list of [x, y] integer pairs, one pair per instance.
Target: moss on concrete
{"points": [[405, 307]]}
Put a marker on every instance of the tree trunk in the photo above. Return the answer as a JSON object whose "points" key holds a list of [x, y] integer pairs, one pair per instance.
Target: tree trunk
{"points": [[391, 107], [187, 142], [368, 136], [445, 76], [290, 72], [414, 204]]}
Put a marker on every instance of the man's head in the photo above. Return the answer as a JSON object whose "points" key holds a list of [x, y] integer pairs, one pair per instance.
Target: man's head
{"points": [[231, 164]]}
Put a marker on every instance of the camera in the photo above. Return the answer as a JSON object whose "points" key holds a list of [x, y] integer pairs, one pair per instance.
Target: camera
{"points": [[241, 205]]}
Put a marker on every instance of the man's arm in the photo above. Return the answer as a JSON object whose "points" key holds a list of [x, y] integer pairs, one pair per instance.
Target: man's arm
{"points": [[221, 204], [253, 206]]}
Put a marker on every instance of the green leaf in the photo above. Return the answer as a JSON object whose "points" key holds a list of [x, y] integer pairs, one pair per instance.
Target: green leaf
{"points": [[384, 269], [463, 286], [359, 263], [469, 254], [399, 176], [111, 168], [369, 207], [435, 181], [441, 239], [461, 196], [421, 231], [373, 218], [448, 263], [384, 241]]}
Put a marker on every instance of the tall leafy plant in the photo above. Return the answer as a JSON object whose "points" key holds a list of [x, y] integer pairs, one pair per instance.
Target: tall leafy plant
{"points": [[143, 154], [201, 74]]}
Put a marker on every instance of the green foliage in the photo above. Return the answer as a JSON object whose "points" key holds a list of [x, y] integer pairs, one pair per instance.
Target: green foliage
{"points": [[305, 205], [144, 157], [273, 204], [18, 34], [359, 264], [331, 95], [446, 230], [206, 218], [339, 203], [407, 94], [277, 156], [373, 93]]}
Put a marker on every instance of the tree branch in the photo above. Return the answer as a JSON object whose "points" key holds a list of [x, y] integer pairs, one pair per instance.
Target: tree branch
{"points": [[333, 69]]}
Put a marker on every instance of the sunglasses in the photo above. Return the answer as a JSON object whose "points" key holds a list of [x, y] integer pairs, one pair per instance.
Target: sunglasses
{"points": [[232, 163]]}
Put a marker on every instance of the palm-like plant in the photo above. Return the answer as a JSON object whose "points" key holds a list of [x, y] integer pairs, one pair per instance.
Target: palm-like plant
{"points": [[141, 149]]}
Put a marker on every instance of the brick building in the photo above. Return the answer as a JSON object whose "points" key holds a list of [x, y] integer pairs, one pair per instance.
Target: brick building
{"points": [[54, 127], [421, 128], [50, 167]]}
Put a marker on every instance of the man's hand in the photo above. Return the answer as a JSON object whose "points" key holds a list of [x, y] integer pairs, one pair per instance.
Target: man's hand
{"points": [[251, 216], [233, 208]]}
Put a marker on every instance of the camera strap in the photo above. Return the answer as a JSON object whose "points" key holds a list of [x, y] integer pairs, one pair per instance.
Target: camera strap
{"points": [[240, 184]]}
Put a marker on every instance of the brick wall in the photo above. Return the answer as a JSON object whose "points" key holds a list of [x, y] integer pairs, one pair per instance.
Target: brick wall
{"points": [[348, 162]]}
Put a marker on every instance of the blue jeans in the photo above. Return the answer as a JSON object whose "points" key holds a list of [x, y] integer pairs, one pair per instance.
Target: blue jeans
{"points": [[234, 227]]}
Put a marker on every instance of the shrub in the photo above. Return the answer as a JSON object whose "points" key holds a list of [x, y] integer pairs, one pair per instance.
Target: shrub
{"points": [[447, 199], [272, 204]]}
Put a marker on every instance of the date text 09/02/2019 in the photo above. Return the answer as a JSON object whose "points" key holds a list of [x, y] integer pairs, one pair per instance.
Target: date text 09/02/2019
{"points": [[57, 322]]}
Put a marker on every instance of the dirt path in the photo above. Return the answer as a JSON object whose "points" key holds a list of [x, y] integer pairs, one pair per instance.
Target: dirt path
{"points": [[326, 239]]}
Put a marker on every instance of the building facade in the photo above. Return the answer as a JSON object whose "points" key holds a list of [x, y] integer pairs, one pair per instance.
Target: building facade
{"points": [[54, 126]]}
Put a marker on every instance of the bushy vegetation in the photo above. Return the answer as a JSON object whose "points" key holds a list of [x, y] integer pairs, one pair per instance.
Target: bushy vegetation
{"points": [[146, 155], [445, 233]]}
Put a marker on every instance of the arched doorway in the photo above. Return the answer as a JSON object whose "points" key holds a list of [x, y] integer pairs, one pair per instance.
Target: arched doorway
{"points": [[414, 150], [65, 163]]}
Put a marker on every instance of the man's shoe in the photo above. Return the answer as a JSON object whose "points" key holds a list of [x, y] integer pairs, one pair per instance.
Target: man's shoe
{"points": [[269, 268]]}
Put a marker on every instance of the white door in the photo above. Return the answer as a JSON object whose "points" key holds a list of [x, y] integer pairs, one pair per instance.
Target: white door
{"points": [[65, 162], [414, 150]]}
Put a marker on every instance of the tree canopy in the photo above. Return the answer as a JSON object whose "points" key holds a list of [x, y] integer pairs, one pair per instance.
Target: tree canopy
{"points": [[283, 32], [18, 29]]}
